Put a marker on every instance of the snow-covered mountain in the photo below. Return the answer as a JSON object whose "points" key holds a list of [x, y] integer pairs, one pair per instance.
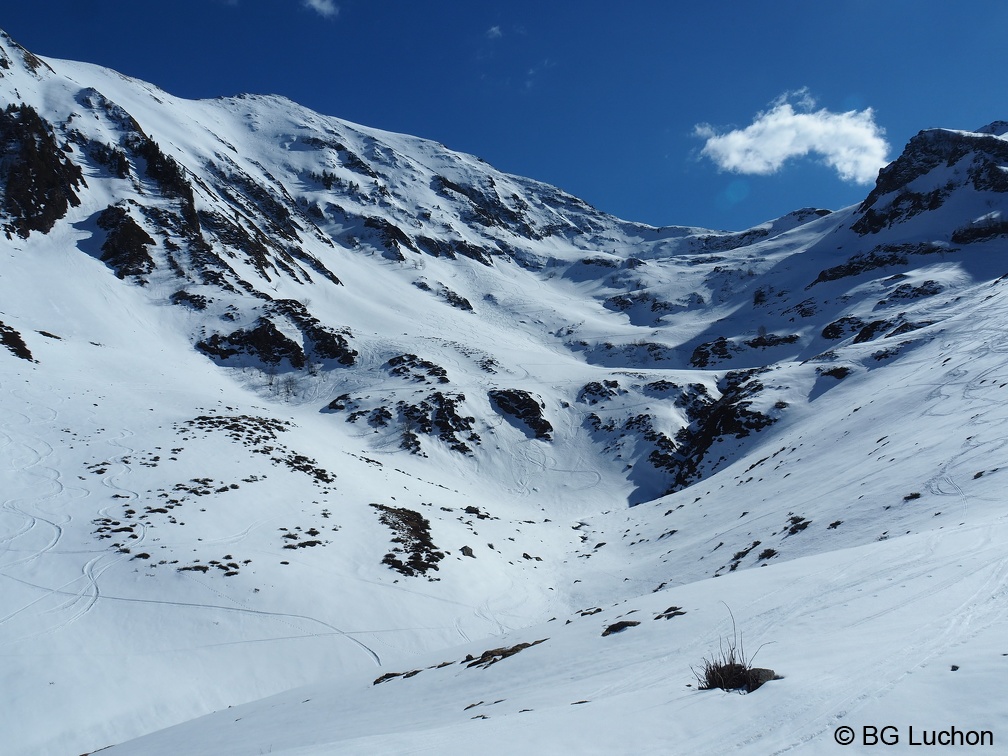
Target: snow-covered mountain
{"points": [[287, 401]]}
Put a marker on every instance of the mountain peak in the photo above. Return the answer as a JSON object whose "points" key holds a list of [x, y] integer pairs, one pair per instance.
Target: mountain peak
{"points": [[12, 54], [934, 164], [997, 128], [286, 400]]}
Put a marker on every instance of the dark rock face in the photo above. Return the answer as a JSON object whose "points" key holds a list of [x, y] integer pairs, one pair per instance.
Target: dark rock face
{"points": [[729, 415], [188, 299], [13, 341], [486, 206], [712, 352], [325, 343], [686, 454], [595, 392], [870, 331], [39, 181], [619, 627], [980, 231], [838, 329], [437, 413], [264, 342], [767, 340], [927, 288], [491, 656], [413, 368], [393, 238], [522, 406], [882, 256], [981, 157], [125, 247]]}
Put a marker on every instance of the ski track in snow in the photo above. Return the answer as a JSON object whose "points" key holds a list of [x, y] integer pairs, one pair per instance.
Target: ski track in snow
{"points": [[26, 470]]}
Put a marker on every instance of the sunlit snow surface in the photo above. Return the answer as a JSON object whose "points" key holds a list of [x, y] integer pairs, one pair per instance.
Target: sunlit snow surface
{"points": [[126, 455]]}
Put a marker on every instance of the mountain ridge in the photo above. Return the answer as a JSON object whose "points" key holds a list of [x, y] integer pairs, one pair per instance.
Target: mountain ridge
{"points": [[273, 380]]}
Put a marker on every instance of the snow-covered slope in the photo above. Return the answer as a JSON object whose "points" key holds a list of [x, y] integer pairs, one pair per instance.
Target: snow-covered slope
{"points": [[289, 401]]}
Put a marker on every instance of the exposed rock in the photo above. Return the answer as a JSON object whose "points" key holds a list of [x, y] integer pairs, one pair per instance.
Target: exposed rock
{"points": [[977, 157], [324, 342], [486, 206], [839, 372], [391, 236], [125, 247], [413, 368], [265, 342], [882, 256], [619, 627], [14, 342], [908, 291], [522, 406], [494, 655], [595, 392], [712, 352], [766, 340], [188, 299], [38, 180], [989, 228], [437, 412], [729, 415], [841, 327], [870, 331], [412, 534], [760, 675]]}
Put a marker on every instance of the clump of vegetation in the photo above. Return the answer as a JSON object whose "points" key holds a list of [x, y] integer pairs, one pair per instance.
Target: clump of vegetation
{"points": [[730, 668], [796, 524]]}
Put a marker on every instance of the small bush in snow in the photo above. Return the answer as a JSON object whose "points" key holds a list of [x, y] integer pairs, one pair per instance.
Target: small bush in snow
{"points": [[730, 668]]}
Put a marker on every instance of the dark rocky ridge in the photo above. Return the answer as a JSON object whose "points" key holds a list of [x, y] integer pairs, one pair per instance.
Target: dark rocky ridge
{"points": [[522, 406], [125, 247], [38, 180], [979, 155]]}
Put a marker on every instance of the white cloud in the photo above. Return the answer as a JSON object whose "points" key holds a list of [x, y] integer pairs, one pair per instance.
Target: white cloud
{"points": [[851, 143], [494, 32], [326, 8]]}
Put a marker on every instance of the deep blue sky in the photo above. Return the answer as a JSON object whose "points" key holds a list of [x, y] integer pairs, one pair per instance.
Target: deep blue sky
{"points": [[600, 98]]}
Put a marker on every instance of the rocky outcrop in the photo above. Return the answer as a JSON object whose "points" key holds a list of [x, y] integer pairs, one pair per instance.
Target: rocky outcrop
{"points": [[523, 407], [38, 180], [264, 342], [125, 247], [11, 339], [978, 159], [730, 415]]}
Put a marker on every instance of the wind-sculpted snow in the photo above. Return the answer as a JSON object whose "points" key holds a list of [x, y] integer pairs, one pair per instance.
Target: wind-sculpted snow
{"points": [[288, 401]]}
